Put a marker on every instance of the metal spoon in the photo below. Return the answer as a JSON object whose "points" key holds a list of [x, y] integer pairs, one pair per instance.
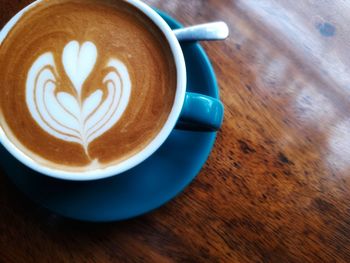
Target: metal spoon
{"points": [[209, 31]]}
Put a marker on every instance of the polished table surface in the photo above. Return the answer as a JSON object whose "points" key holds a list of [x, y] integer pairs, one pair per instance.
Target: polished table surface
{"points": [[276, 187]]}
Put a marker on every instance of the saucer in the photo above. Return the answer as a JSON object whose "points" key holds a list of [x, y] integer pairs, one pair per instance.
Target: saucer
{"points": [[142, 189]]}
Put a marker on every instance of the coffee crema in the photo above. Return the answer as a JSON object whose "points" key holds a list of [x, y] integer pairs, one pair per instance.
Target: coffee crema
{"points": [[85, 84]]}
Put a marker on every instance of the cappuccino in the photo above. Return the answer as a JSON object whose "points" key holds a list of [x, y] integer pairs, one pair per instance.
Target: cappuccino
{"points": [[85, 84]]}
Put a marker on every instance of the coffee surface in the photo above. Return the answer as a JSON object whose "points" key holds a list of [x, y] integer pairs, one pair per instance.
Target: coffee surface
{"points": [[84, 83]]}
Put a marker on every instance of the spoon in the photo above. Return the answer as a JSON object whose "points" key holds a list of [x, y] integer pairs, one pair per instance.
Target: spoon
{"points": [[208, 31]]}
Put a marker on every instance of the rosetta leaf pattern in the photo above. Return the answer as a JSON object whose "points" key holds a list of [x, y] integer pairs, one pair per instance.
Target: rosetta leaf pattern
{"points": [[67, 115]]}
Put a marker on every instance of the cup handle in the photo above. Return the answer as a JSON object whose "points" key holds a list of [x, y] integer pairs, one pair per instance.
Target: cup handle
{"points": [[201, 113]]}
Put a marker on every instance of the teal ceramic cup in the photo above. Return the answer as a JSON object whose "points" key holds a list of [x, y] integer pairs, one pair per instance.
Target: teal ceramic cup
{"points": [[189, 110]]}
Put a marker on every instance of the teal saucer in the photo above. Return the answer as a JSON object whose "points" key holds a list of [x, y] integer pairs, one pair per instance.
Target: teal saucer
{"points": [[144, 188]]}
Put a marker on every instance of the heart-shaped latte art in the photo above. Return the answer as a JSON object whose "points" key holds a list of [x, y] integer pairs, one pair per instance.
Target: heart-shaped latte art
{"points": [[78, 62], [68, 116]]}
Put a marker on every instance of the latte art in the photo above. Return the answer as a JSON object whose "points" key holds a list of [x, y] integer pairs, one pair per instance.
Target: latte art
{"points": [[70, 116], [85, 84]]}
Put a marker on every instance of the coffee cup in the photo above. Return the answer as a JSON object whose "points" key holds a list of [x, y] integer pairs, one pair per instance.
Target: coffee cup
{"points": [[93, 88]]}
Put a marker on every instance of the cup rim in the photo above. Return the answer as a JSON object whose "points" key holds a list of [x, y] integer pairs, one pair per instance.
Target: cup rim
{"points": [[145, 153]]}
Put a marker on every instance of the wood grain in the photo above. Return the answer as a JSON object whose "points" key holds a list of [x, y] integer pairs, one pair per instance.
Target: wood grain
{"points": [[276, 187]]}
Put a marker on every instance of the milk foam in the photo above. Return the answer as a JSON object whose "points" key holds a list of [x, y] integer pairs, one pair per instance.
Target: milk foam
{"points": [[69, 116]]}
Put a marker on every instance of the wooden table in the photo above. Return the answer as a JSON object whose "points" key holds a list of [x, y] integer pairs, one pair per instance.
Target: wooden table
{"points": [[276, 187]]}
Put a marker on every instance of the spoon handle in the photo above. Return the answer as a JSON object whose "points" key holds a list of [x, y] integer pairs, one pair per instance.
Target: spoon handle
{"points": [[209, 31]]}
